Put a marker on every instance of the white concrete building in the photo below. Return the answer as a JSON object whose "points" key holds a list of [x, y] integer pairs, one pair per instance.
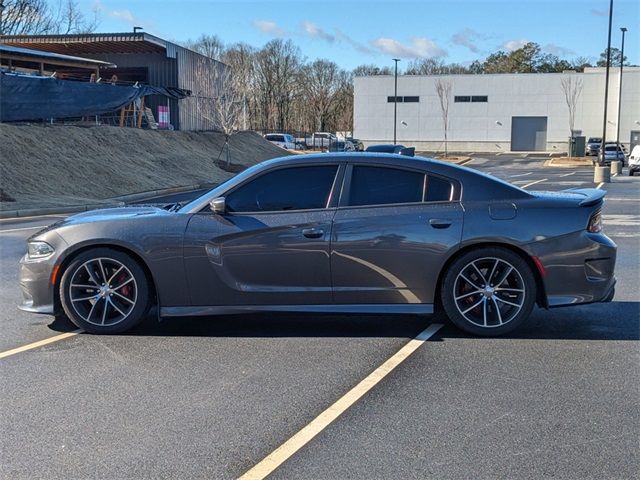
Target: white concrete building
{"points": [[496, 112]]}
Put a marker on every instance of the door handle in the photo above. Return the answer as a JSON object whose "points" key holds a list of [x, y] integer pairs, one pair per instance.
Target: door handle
{"points": [[440, 223], [313, 232]]}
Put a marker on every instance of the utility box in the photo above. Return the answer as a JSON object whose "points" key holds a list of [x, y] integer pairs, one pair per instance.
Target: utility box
{"points": [[577, 146]]}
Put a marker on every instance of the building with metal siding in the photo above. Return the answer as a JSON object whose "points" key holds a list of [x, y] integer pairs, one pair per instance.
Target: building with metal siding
{"points": [[141, 57], [496, 112]]}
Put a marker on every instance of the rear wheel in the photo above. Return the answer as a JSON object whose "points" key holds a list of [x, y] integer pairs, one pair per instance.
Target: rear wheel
{"points": [[104, 291], [489, 291]]}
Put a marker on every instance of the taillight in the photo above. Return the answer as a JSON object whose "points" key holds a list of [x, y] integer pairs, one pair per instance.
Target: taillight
{"points": [[595, 223]]}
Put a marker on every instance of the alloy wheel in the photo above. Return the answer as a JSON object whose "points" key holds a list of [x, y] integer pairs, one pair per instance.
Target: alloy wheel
{"points": [[103, 291], [489, 292]]}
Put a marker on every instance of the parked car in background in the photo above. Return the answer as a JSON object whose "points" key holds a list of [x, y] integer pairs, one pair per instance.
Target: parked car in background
{"points": [[612, 152], [391, 148], [358, 145], [593, 146], [283, 140], [342, 146], [318, 140], [634, 161]]}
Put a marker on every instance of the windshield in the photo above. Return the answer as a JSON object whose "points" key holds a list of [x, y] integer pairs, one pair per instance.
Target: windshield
{"points": [[275, 138], [594, 140]]}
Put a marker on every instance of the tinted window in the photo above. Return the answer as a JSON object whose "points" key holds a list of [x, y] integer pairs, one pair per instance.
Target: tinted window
{"points": [[438, 190], [479, 98], [379, 185], [461, 98], [595, 140], [390, 99], [298, 188], [411, 99]]}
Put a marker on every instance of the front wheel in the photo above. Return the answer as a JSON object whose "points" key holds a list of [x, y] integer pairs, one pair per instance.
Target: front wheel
{"points": [[489, 291], [104, 291]]}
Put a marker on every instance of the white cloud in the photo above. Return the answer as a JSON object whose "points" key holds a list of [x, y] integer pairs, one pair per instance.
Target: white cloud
{"points": [[557, 50], [266, 26], [124, 16], [343, 37], [512, 45], [419, 47], [467, 38], [315, 31]]}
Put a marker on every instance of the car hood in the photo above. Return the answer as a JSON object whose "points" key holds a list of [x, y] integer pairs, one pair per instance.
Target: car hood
{"points": [[107, 215]]}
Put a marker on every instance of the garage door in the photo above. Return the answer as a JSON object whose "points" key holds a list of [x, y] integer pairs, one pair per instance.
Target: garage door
{"points": [[528, 134]]}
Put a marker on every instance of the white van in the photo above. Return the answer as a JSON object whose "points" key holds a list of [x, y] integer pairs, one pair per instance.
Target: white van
{"points": [[634, 160]]}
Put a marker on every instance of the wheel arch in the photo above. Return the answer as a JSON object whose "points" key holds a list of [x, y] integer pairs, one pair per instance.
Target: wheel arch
{"points": [[68, 258], [541, 296]]}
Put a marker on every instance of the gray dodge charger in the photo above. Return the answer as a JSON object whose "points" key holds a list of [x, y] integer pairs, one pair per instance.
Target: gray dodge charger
{"points": [[357, 233]]}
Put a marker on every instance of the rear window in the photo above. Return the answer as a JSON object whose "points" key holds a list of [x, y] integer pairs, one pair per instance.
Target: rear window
{"points": [[611, 148], [594, 140], [383, 186]]}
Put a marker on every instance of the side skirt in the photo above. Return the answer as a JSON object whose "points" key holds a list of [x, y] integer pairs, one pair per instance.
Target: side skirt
{"points": [[192, 311]]}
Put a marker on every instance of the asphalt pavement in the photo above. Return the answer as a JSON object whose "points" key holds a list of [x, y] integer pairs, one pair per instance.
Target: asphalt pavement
{"points": [[212, 397]]}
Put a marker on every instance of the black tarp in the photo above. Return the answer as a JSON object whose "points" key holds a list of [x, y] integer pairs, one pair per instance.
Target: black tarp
{"points": [[26, 97]]}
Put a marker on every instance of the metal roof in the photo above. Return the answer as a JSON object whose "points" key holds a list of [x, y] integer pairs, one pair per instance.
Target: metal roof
{"points": [[49, 57], [128, 42]]}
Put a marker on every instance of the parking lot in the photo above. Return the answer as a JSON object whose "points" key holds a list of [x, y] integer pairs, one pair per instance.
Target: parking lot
{"points": [[213, 397]]}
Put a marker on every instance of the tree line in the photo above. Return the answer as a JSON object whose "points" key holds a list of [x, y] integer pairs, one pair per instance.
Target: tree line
{"points": [[280, 89]]}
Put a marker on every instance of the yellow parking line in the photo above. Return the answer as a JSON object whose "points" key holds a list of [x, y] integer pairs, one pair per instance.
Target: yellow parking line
{"points": [[600, 185], [40, 343], [304, 436]]}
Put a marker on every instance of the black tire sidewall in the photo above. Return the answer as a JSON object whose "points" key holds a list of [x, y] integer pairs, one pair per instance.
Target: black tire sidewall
{"points": [[458, 264], [138, 273]]}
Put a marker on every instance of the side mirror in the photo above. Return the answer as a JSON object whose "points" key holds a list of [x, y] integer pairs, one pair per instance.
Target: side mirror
{"points": [[218, 205]]}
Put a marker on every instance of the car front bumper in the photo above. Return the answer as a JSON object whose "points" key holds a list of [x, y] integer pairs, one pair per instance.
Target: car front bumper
{"points": [[36, 286], [578, 268]]}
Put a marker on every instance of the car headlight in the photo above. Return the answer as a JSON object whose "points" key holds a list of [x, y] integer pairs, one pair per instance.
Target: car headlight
{"points": [[39, 250]]}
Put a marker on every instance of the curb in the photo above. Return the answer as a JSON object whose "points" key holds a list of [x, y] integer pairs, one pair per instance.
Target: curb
{"points": [[33, 212], [114, 202]]}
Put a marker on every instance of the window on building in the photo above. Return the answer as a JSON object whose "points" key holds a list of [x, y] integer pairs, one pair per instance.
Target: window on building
{"points": [[297, 188], [411, 99], [461, 98], [390, 99], [479, 98]]}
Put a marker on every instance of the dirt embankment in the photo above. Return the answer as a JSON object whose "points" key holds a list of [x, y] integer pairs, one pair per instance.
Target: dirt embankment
{"points": [[42, 166]]}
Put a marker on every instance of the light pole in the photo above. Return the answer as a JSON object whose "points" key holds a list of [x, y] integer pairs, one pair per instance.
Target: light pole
{"points": [[606, 88], [395, 101], [623, 30]]}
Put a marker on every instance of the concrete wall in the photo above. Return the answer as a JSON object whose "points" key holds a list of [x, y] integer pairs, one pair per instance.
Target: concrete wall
{"points": [[486, 126]]}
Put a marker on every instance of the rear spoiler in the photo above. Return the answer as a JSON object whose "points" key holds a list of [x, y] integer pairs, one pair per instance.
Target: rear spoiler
{"points": [[592, 196]]}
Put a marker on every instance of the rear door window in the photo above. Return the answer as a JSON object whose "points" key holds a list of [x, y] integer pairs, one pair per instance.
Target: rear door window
{"points": [[383, 186]]}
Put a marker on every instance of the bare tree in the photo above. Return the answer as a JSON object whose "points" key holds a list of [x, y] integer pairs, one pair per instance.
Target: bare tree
{"points": [[70, 19], [22, 17], [224, 108], [572, 88], [208, 45], [322, 84], [34, 17], [443, 89]]}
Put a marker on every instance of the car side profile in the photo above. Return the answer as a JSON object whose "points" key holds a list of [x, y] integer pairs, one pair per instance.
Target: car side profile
{"points": [[348, 232]]}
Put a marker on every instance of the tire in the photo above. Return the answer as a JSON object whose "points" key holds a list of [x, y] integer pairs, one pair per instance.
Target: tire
{"points": [[497, 309], [631, 173], [113, 308]]}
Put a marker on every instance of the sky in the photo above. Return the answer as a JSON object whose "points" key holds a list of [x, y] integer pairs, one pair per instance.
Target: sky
{"points": [[355, 32]]}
